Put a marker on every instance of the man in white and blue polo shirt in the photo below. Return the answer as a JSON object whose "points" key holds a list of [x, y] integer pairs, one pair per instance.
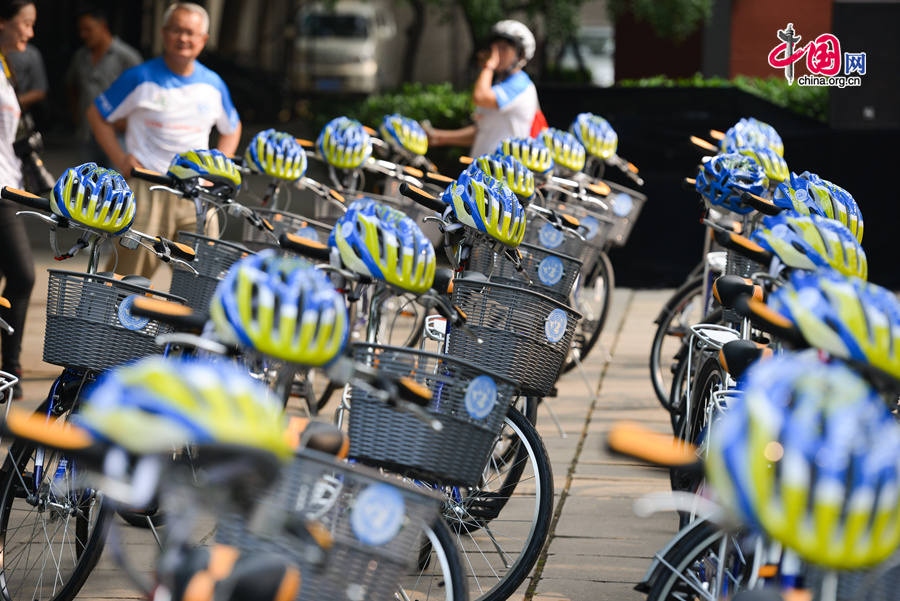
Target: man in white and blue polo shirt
{"points": [[506, 100], [169, 105]]}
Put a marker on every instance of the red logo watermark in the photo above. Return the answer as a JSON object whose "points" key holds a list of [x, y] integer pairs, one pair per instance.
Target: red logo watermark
{"points": [[823, 59]]}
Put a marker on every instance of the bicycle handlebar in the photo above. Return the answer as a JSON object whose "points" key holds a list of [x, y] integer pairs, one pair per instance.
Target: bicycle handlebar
{"points": [[633, 440], [32, 201], [180, 317], [422, 197], [304, 246], [153, 177], [743, 245], [766, 207]]}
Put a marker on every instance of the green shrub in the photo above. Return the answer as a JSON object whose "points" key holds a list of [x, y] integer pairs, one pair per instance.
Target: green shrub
{"points": [[811, 101]]}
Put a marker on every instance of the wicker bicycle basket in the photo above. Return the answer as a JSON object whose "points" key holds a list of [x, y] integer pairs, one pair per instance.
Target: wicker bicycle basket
{"points": [[626, 206], [214, 257], [283, 222], [545, 235], [469, 403], [376, 524], [524, 335], [90, 325], [548, 272]]}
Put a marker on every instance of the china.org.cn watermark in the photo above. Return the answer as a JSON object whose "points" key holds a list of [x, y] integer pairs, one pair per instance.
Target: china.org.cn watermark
{"points": [[824, 60]]}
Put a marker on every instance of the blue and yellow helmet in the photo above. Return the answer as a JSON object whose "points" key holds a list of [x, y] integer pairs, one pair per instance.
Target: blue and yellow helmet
{"points": [[531, 152], [723, 178], [565, 148], [751, 133], [382, 242], [404, 134], [810, 455], [282, 307], [160, 404], [596, 135], [209, 164], [276, 154], [94, 197], [486, 204], [509, 170], [344, 143], [812, 242]]}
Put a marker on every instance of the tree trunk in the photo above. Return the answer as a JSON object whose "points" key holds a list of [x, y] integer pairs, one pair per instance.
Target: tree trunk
{"points": [[413, 37]]}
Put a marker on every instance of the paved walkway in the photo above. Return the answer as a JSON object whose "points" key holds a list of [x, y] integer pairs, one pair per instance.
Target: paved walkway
{"points": [[598, 548]]}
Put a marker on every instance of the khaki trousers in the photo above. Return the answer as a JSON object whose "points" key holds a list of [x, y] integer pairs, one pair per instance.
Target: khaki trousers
{"points": [[159, 213]]}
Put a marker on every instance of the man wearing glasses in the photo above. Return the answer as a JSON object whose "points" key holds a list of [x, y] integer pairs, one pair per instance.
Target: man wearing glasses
{"points": [[168, 104]]}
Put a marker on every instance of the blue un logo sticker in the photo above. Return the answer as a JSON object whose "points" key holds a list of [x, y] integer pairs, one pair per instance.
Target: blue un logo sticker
{"points": [[555, 325], [378, 514], [129, 321], [308, 233], [592, 226], [549, 236], [622, 205], [481, 396], [550, 270]]}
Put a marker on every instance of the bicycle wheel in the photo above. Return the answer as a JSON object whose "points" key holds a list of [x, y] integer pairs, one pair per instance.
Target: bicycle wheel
{"points": [[52, 530], [501, 526], [438, 564], [708, 564], [682, 310], [592, 299]]}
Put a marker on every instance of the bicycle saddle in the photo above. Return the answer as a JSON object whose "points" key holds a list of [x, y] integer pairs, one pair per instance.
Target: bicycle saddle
{"points": [[729, 288], [737, 355]]}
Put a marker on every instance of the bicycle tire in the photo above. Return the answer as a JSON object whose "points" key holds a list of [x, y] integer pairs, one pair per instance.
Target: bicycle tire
{"points": [[439, 542], [676, 394], [673, 307], [705, 537], [481, 509], [91, 543], [588, 330]]}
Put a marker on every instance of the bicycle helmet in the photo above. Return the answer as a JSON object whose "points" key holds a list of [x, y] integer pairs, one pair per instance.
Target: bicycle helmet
{"points": [[750, 133], [382, 242], [772, 163], [806, 198], [276, 154], [812, 242], [158, 404], [516, 33], [509, 170], [847, 317], [405, 135], [344, 143], [837, 201], [722, 179], [565, 148], [531, 152], [282, 307], [488, 205], [595, 134], [212, 165], [811, 456], [94, 197]]}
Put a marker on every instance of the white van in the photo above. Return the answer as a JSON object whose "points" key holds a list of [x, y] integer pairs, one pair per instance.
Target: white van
{"points": [[340, 48]]}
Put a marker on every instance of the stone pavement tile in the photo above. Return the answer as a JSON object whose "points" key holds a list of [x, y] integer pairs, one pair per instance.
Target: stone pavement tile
{"points": [[585, 590], [591, 546], [608, 568]]}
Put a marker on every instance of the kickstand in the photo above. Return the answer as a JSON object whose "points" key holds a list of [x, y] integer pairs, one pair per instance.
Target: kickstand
{"points": [[153, 530], [584, 377]]}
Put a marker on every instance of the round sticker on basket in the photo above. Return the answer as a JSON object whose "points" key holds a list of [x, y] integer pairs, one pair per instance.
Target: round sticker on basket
{"points": [[622, 204], [129, 321], [308, 233], [550, 270], [555, 325], [481, 396], [378, 514], [549, 236], [593, 226]]}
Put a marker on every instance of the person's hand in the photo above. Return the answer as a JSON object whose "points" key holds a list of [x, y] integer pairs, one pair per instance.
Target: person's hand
{"points": [[493, 61], [127, 163]]}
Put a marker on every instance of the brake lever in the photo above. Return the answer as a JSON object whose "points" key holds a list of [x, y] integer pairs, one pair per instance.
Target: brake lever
{"points": [[52, 220], [168, 189], [5, 326]]}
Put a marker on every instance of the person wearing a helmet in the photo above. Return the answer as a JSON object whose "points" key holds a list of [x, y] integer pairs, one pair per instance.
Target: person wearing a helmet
{"points": [[506, 102], [170, 105]]}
